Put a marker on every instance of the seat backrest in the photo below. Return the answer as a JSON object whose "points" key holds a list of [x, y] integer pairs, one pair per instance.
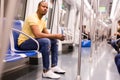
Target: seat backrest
{"points": [[16, 25]]}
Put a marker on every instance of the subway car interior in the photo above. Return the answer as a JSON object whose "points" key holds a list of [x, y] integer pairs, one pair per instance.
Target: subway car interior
{"points": [[89, 51]]}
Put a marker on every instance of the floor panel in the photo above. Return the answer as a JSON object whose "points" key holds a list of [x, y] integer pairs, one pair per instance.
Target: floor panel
{"points": [[98, 65]]}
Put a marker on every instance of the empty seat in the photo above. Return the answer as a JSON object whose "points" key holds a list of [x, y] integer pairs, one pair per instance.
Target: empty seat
{"points": [[86, 43], [12, 57]]}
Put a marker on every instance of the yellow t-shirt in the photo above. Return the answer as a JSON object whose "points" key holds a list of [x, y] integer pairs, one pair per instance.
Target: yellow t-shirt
{"points": [[31, 20]]}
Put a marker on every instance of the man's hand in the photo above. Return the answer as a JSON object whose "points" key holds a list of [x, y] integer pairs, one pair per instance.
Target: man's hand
{"points": [[60, 37], [116, 33]]}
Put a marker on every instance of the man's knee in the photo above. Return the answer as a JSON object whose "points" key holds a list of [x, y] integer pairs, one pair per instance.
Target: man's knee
{"points": [[47, 41], [45, 45], [54, 41], [44, 41]]}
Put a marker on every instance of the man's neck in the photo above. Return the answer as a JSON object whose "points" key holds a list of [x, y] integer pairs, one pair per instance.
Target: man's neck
{"points": [[39, 16]]}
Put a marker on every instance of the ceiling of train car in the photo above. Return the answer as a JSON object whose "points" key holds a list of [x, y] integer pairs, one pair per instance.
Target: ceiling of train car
{"points": [[105, 6]]}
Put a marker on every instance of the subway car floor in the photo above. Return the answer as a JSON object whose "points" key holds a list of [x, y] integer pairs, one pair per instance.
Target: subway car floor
{"points": [[96, 66]]}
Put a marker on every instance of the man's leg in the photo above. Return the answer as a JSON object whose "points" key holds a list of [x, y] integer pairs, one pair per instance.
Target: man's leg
{"points": [[45, 45], [44, 49], [54, 57], [28, 45], [54, 52], [117, 62]]}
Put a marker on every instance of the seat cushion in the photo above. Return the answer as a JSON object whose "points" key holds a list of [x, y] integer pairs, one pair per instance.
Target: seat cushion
{"points": [[27, 53], [11, 56]]}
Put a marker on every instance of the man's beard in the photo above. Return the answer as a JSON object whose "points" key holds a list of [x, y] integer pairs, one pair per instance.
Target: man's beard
{"points": [[43, 14]]}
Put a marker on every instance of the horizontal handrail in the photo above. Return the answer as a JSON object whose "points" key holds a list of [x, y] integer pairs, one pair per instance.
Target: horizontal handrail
{"points": [[28, 37]]}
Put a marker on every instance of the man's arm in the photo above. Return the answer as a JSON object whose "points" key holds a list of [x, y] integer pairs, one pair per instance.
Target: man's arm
{"points": [[117, 33], [45, 33], [45, 30]]}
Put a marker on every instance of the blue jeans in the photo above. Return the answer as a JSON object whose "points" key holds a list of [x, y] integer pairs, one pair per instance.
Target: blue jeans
{"points": [[114, 45], [47, 46], [117, 62]]}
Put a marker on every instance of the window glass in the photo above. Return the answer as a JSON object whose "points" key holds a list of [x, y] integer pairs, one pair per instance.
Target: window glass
{"points": [[20, 9], [64, 14]]}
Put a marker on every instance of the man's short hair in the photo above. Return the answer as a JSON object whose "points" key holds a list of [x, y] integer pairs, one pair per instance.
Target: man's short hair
{"points": [[41, 2]]}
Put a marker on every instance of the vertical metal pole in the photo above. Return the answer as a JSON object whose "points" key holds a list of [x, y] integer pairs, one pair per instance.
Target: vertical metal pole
{"points": [[92, 28], [96, 11], [80, 40], [94, 3], [6, 30], [1, 19], [53, 13], [95, 24], [1, 28]]}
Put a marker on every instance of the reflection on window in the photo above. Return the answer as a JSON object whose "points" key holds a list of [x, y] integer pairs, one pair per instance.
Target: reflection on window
{"points": [[50, 12], [64, 15], [20, 9]]}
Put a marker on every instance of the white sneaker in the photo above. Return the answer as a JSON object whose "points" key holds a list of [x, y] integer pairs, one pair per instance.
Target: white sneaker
{"points": [[51, 75], [56, 69]]}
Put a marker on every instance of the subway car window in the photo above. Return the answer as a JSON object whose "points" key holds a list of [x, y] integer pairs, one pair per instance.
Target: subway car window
{"points": [[64, 16], [5, 6], [20, 9], [50, 12], [20, 12]]}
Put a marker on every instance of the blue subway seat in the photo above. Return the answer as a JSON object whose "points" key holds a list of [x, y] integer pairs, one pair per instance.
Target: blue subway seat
{"points": [[14, 53], [12, 57], [28, 53], [86, 43], [16, 30]]}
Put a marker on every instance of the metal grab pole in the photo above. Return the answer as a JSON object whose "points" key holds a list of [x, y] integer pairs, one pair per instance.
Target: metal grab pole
{"points": [[6, 30], [80, 40], [53, 13], [1, 28], [91, 30], [1, 20], [95, 19]]}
